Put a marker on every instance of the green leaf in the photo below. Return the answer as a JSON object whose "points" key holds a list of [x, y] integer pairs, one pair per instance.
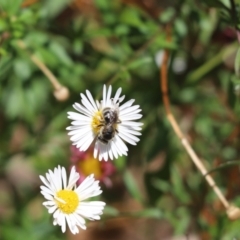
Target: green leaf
{"points": [[101, 32], [60, 53], [161, 185], [47, 57], [203, 126], [180, 27], [235, 80], [121, 29], [125, 75], [150, 213], [182, 225], [36, 94], [15, 102], [120, 163], [161, 42], [28, 17], [224, 166], [36, 38], [132, 186], [139, 62], [58, 122], [102, 4], [215, 3], [187, 95], [22, 68], [131, 17], [3, 24], [111, 211], [178, 187], [10, 6], [51, 9], [5, 66], [167, 15], [78, 46]]}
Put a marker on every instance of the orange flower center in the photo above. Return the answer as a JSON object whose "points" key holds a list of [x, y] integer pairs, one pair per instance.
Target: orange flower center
{"points": [[91, 165]]}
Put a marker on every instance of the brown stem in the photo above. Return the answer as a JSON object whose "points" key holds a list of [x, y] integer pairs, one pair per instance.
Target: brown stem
{"points": [[232, 211]]}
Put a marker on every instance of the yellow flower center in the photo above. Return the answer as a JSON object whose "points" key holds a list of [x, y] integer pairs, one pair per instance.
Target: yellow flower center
{"points": [[91, 165], [97, 121], [70, 201]]}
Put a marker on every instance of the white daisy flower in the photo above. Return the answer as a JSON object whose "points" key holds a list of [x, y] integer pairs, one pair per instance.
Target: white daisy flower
{"points": [[105, 122], [67, 202]]}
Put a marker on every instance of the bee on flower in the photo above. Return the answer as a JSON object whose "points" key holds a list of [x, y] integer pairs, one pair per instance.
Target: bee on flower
{"points": [[106, 123], [67, 202]]}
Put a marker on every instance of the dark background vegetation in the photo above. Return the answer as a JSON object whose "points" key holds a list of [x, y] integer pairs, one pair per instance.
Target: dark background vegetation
{"points": [[157, 192]]}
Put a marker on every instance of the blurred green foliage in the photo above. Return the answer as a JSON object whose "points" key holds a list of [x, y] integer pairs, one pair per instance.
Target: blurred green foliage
{"points": [[122, 45]]}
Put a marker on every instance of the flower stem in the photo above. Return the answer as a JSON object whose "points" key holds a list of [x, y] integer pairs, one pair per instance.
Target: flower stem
{"points": [[61, 92], [216, 60], [232, 211]]}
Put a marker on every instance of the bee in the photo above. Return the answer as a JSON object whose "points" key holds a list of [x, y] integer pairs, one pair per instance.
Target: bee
{"points": [[106, 133], [110, 115], [108, 127]]}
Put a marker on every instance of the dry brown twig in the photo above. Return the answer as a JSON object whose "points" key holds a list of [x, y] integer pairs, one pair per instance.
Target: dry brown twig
{"points": [[232, 211], [61, 93]]}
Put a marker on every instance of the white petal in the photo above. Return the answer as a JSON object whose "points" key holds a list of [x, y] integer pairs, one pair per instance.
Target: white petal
{"points": [[128, 139], [87, 182], [130, 110], [46, 190], [64, 177], [82, 109], [132, 124], [95, 153], [78, 134], [114, 150], [126, 104], [53, 180], [62, 222], [78, 117], [87, 104], [49, 203], [121, 99], [47, 196], [110, 151], [56, 214], [43, 179], [71, 224], [104, 96], [131, 117], [52, 209], [120, 144], [73, 178], [116, 97], [88, 141], [92, 100], [128, 130], [103, 153], [108, 100]]}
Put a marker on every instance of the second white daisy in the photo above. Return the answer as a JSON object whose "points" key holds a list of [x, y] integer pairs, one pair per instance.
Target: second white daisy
{"points": [[105, 122], [68, 203]]}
